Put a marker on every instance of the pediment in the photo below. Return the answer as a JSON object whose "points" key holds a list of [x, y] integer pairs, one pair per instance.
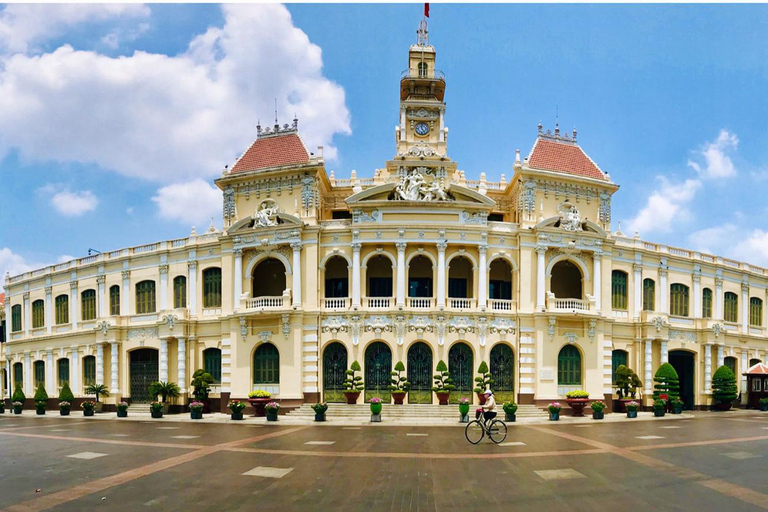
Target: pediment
{"points": [[388, 194], [586, 226], [253, 222]]}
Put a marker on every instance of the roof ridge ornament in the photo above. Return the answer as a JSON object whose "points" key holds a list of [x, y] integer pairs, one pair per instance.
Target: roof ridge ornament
{"points": [[423, 33], [286, 129]]}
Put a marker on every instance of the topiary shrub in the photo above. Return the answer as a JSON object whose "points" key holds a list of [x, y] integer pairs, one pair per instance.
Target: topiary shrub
{"points": [[354, 382], [41, 397], [398, 383], [666, 382], [18, 395], [724, 388], [484, 381], [201, 381], [66, 395], [443, 380], [626, 382]]}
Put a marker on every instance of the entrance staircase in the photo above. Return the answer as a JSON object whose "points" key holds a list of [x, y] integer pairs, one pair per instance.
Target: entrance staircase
{"points": [[407, 413], [138, 408]]}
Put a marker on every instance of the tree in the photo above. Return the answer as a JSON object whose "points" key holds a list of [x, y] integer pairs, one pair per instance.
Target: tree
{"points": [[164, 389], [41, 396], [201, 381], [353, 382], [724, 388], [626, 382], [484, 381], [18, 395], [398, 383], [97, 389], [443, 380], [66, 395], [667, 382]]}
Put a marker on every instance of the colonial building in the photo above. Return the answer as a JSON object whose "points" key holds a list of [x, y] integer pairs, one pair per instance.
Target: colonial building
{"points": [[414, 264]]}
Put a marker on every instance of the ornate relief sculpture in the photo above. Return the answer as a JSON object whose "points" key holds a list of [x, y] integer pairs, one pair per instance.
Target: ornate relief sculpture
{"points": [[266, 215], [414, 186], [570, 218]]}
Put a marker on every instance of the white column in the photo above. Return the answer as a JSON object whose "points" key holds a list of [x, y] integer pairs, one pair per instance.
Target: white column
{"points": [[164, 359], [28, 375], [74, 369], [441, 246], [744, 368], [356, 246], [664, 352], [163, 287], [441, 130], [648, 366], [238, 288], [114, 387], [482, 276], [182, 364], [596, 280], [27, 315], [708, 368], [540, 282], [664, 289], [8, 322], [697, 306], [400, 274], [638, 292], [296, 247], [745, 308], [719, 309], [125, 300], [50, 371], [99, 363], [100, 303], [402, 123], [48, 311], [720, 355], [192, 287], [73, 301]]}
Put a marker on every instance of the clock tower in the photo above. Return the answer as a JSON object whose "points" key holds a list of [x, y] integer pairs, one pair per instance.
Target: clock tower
{"points": [[422, 130]]}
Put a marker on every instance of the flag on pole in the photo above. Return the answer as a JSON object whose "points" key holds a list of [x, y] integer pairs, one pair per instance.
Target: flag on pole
{"points": [[426, 10]]}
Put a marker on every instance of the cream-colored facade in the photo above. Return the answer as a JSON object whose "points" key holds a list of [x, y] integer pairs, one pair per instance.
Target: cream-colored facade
{"points": [[416, 264]]}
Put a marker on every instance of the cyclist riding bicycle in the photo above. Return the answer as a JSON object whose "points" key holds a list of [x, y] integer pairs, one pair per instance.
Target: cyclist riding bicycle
{"points": [[488, 408]]}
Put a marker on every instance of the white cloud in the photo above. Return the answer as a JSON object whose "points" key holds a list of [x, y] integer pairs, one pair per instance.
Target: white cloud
{"points": [[13, 263], [171, 118], [732, 241], [114, 39], [666, 207], [192, 203], [68, 203], [718, 163], [24, 25]]}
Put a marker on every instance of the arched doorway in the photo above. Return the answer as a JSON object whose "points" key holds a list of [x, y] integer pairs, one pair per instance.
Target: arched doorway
{"points": [[685, 366], [420, 373], [566, 280], [378, 365], [460, 363], [334, 368], [503, 372], [266, 368], [268, 278], [144, 370]]}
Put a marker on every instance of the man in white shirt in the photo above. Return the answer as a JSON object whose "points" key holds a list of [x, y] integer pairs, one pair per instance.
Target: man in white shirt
{"points": [[489, 407]]}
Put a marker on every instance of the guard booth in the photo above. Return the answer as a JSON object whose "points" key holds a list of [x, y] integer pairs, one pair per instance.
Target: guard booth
{"points": [[757, 384]]}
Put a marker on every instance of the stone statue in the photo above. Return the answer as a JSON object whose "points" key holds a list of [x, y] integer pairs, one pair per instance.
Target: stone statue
{"points": [[414, 187], [266, 215], [570, 218]]}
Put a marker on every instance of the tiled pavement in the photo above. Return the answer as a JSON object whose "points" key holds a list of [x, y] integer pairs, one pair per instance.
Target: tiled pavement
{"points": [[712, 462]]}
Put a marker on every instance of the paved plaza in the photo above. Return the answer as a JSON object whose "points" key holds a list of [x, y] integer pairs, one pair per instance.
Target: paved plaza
{"points": [[704, 461]]}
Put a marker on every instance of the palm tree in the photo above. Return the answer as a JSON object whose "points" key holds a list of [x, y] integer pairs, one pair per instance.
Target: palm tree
{"points": [[97, 389], [164, 389]]}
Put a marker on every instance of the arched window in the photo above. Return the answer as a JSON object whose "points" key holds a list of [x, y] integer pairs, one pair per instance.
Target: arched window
{"points": [[212, 287], [649, 295], [62, 309], [420, 372], [212, 363], [18, 375], [420, 277], [755, 311], [266, 367], [730, 362], [378, 365], [460, 278], [39, 373], [89, 371], [145, 297], [423, 69], [336, 278], [678, 300], [619, 290], [379, 273], [334, 368], [568, 368], [753, 362], [16, 318], [179, 292], [63, 371], [706, 303], [618, 358], [731, 302], [88, 301], [500, 280], [114, 300], [269, 278], [38, 314], [566, 280]]}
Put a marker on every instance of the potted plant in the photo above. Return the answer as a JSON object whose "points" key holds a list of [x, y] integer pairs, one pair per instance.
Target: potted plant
{"points": [[626, 383], [41, 399], [65, 395], [659, 407], [577, 400], [353, 384], [632, 408], [196, 410], [483, 381], [597, 409], [763, 403], [165, 390], [156, 409], [443, 383], [677, 405], [554, 411], [272, 408], [399, 385], [259, 400], [122, 409], [201, 381], [237, 407], [376, 406], [18, 397], [97, 389], [464, 404], [320, 409], [666, 383], [2, 406], [724, 388], [510, 411], [64, 407], [88, 406]]}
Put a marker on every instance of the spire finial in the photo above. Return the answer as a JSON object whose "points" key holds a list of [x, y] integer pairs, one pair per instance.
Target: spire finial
{"points": [[423, 34], [541, 127]]}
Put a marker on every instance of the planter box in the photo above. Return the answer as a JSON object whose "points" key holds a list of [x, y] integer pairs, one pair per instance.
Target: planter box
{"points": [[481, 398], [87, 412], [598, 415], [463, 409], [17, 410], [64, 412], [196, 415], [122, 414], [98, 408], [510, 417], [464, 418], [319, 416], [723, 406], [631, 414], [677, 410], [376, 409], [659, 412], [236, 415], [40, 410], [271, 416], [764, 407], [157, 414], [554, 416]]}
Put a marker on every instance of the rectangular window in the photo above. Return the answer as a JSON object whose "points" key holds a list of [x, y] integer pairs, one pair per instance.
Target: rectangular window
{"points": [[114, 300], [619, 289], [38, 314], [380, 286], [63, 371], [212, 363], [731, 307], [39, 373], [500, 289], [18, 375], [145, 297], [62, 309], [755, 312], [678, 303], [706, 303], [336, 287], [212, 288], [16, 318], [89, 371], [649, 295], [179, 292], [420, 287], [457, 287], [755, 384], [88, 301]]}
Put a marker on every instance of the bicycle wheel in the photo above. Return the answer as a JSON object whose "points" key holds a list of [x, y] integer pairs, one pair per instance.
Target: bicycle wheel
{"points": [[497, 431], [474, 432]]}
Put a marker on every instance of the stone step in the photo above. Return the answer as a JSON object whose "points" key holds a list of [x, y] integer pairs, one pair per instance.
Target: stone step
{"points": [[411, 412]]}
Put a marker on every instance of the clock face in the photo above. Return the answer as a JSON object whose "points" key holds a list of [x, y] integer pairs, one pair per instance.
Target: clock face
{"points": [[422, 128]]}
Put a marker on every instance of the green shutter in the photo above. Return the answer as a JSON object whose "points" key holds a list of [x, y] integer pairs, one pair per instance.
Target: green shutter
{"points": [[114, 300], [62, 309], [569, 366], [266, 365], [212, 288], [619, 289], [731, 303], [706, 303], [38, 314], [88, 301]]}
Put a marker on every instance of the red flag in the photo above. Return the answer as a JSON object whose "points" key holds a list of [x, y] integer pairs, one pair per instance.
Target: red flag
{"points": [[426, 10]]}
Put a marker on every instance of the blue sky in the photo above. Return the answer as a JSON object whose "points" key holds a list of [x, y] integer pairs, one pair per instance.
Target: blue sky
{"points": [[114, 120]]}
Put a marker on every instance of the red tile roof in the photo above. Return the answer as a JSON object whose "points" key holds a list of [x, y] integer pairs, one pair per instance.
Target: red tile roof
{"points": [[2, 298], [758, 369], [273, 151], [563, 156]]}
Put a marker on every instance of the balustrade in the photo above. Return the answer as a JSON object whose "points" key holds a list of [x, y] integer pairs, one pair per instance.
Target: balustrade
{"points": [[501, 304], [266, 302], [461, 303], [337, 303], [421, 302], [377, 302]]}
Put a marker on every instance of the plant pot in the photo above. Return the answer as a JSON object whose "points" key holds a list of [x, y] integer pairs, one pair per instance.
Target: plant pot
{"points": [[2, 408], [98, 408], [598, 415], [510, 417], [196, 415], [17, 410], [442, 397], [87, 412], [764, 407], [481, 398], [320, 416], [166, 407], [463, 409], [376, 418], [236, 415], [157, 414], [376, 408], [677, 410], [122, 413], [351, 397], [723, 406], [631, 414], [64, 412], [398, 398], [271, 415], [259, 405], [40, 410], [554, 416], [659, 412], [577, 405]]}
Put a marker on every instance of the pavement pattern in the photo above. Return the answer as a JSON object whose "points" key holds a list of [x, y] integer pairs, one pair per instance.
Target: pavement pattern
{"points": [[706, 461]]}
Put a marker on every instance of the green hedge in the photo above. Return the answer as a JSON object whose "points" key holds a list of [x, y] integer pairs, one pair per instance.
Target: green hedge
{"points": [[667, 382], [724, 388], [65, 395]]}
